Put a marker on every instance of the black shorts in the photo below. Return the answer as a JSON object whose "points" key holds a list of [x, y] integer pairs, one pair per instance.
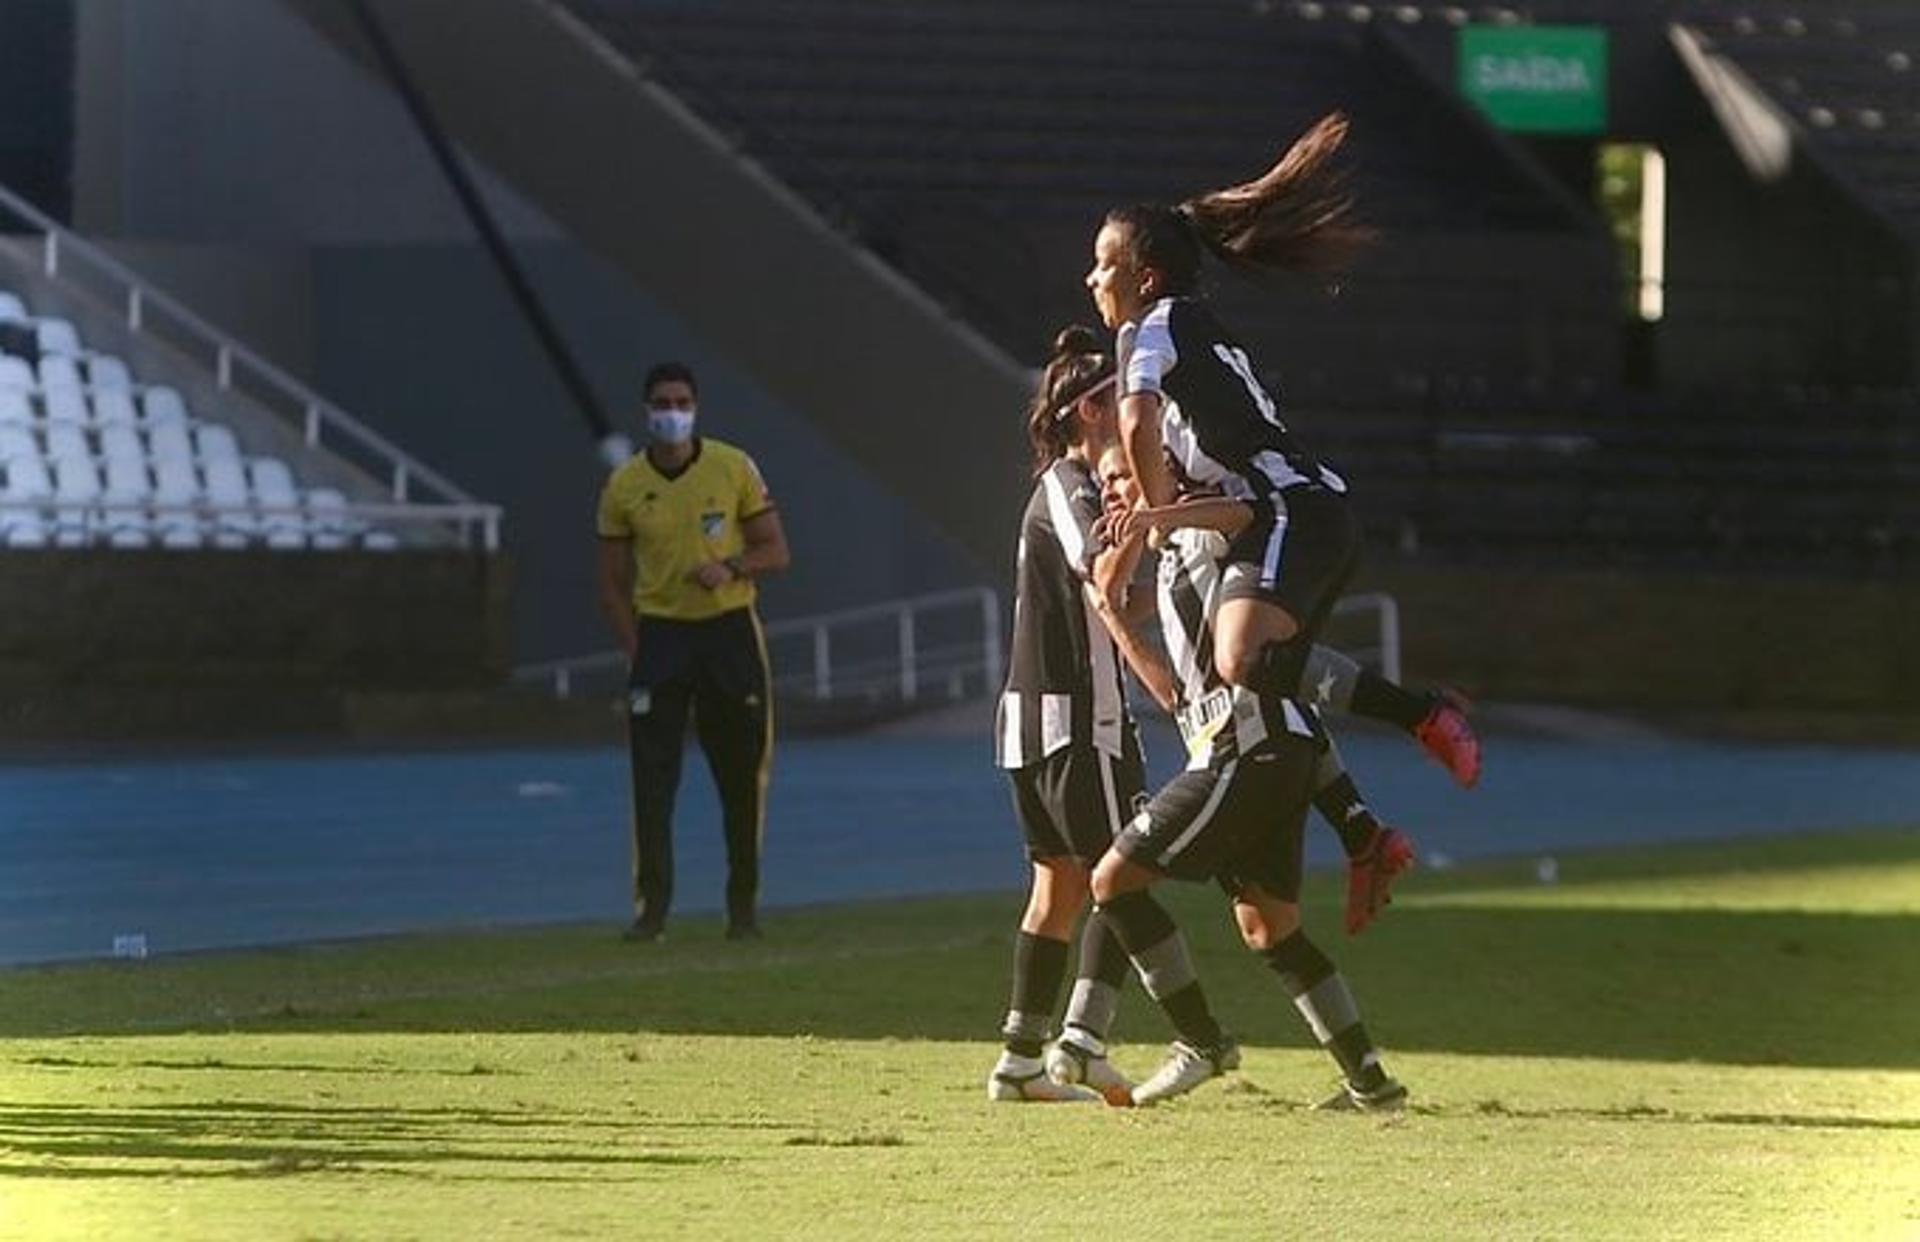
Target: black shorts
{"points": [[1241, 822], [1072, 803], [1299, 553]]}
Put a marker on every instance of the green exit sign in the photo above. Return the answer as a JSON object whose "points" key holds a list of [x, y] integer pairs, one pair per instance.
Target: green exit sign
{"points": [[1537, 79]]}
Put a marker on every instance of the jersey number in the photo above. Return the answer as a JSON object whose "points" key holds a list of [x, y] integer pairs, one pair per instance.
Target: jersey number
{"points": [[1236, 359]]}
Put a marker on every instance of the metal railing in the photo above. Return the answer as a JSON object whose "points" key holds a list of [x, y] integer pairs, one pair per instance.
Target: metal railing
{"points": [[904, 664], [66, 256], [900, 648]]}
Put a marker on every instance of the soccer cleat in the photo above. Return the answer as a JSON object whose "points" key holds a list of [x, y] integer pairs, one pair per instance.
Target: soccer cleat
{"points": [[1015, 1079], [1448, 737], [1080, 1059], [1389, 1097], [644, 930], [1185, 1068], [1371, 876], [743, 929]]}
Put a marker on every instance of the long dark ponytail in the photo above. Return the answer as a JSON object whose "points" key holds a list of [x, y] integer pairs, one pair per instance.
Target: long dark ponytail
{"points": [[1298, 216], [1079, 365]]}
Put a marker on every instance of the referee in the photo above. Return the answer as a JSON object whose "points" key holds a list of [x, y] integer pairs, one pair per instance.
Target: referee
{"points": [[685, 527]]}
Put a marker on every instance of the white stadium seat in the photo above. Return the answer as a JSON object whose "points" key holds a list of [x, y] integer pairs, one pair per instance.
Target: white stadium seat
{"points": [[215, 442], [169, 442], [16, 407], [273, 489], [120, 442], [163, 405], [22, 527], [16, 440], [59, 371], [66, 405], [107, 371], [75, 481], [67, 441], [57, 336], [114, 405], [176, 483], [11, 307], [235, 525], [17, 373], [327, 522], [27, 479], [127, 481]]}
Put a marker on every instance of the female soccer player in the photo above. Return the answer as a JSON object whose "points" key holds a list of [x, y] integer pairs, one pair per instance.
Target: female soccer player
{"points": [[1064, 734], [1191, 400], [1235, 815]]}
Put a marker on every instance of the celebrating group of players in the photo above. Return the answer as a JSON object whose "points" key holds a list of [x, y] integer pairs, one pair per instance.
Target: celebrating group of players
{"points": [[1169, 445]]}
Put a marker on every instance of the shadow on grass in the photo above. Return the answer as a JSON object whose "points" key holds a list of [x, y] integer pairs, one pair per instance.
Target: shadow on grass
{"points": [[232, 1140]]}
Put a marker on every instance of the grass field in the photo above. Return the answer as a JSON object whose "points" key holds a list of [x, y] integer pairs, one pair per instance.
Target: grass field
{"points": [[1713, 1042]]}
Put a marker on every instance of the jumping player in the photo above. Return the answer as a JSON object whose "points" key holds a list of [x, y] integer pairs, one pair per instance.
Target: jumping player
{"points": [[1191, 400]]}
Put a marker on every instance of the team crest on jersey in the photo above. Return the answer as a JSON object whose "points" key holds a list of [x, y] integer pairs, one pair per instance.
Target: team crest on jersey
{"points": [[712, 524]]}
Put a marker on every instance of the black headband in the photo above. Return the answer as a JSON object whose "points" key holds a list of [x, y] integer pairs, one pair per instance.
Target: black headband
{"points": [[1102, 376]]}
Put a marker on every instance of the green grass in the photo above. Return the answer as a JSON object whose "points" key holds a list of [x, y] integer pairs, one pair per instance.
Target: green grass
{"points": [[1713, 1042]]}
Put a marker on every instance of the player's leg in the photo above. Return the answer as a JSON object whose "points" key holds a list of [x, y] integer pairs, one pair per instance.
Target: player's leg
{"points": [[1058, 894], [1435, 719], [1264, 883], [733, 714], [1376, 854], [1180, 834], [1285, 573], [657, 703], [1112, 788]]}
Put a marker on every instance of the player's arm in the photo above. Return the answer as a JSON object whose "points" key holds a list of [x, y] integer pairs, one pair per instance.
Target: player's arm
{"points": [[1107, 593], [1145, 449], [1218, 513], [616, 590]]}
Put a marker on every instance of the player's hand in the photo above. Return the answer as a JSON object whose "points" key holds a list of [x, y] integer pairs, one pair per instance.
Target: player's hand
{"points": [[713, 575]]}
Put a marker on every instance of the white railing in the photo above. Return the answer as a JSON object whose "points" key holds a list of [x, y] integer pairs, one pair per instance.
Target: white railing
{"points": [[65, 256], [896, 657], [910, 664], [1387, 610]]}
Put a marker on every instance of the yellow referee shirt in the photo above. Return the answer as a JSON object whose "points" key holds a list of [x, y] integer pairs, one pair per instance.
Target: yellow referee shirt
{"points": [[677, 524]]}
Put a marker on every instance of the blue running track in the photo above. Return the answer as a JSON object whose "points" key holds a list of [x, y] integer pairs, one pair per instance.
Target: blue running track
{"points": [[213, 852]]}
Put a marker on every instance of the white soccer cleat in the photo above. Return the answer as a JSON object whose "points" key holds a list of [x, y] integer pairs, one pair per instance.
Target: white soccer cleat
{"points": [[1185, 1068], [1080, 1059], [1017, 1079]]}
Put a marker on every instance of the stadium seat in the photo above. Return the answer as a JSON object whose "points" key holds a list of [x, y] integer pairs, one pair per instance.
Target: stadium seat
{"points": [[114, 406], [67, 441], [169, 442], [107, 371], [11, 307], [16, 440], [16, 374], [381, 541], [16, 407], [127, 481], [163, 405], [27, 479], [234, 524], [273, 489], [176, 483], [120, 442], [215, 442], [58, 336], [22, 527], [328, 525], [75, 482]]}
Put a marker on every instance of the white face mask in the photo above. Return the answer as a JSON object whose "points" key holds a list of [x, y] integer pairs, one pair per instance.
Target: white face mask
{"points": [[670, 426]]}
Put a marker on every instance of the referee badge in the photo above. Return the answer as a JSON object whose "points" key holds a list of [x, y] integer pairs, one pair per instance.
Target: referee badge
{"points": [[713, 524]]}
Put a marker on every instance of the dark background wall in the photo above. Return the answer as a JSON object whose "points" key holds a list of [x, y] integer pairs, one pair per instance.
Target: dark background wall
{"points": [[240, 159]]}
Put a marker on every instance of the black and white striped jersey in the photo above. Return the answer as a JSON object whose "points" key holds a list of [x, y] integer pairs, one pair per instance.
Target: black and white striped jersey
{"points": [[1220, 426], [1218, 721], [1063, 670]]}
